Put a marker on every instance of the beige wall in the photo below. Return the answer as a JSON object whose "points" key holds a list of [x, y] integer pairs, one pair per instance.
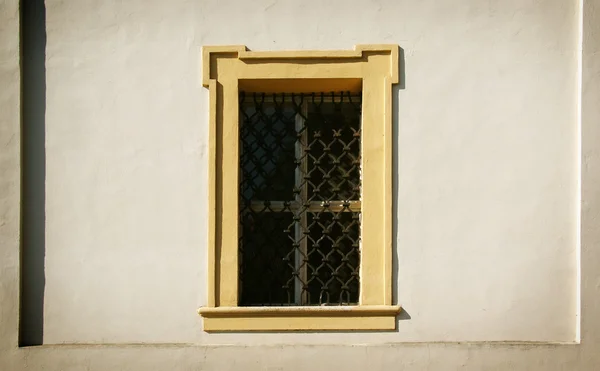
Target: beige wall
{"points": [[487, 183]]}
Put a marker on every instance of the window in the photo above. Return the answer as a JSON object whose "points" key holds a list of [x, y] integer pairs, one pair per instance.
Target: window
{"points": [[300, 193], [299, 199]]}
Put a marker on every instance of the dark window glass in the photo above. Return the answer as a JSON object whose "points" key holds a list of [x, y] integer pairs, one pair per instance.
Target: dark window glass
{"points": [[299, 199]]}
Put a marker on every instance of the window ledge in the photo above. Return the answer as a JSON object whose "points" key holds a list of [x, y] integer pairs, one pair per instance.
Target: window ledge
{"points": [[311, 318]]}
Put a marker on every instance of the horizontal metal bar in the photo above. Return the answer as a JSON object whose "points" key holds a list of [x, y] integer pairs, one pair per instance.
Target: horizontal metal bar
{"points": [[306, 98], [314, 206]]}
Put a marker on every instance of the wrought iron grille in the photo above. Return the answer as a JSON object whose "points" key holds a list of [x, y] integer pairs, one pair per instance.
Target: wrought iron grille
{"points": [[299, 199]]}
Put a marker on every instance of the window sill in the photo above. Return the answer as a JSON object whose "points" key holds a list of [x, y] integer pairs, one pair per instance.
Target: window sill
{"points": [[321, 318]]}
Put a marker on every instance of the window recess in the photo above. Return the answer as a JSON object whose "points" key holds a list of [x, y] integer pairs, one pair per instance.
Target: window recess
{"points": [[299, 199]]}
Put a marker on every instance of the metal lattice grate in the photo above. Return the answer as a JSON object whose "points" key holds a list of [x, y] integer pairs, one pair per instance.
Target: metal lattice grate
{"points": [[299, 199]]}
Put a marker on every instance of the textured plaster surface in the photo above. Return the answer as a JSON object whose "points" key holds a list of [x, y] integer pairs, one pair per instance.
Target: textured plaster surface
{"points": [[487, 186], [485, 176]]}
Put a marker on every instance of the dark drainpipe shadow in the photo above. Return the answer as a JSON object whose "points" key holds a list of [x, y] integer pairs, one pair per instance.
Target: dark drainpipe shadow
{"points": [[33, 171]]}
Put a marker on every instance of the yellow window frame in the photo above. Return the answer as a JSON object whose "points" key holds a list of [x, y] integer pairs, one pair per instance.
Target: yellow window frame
{"points": [[227, 70]]}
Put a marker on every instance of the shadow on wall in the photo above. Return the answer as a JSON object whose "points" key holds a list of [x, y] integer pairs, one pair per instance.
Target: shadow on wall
{"points": [[403, 315], [33, 171]]}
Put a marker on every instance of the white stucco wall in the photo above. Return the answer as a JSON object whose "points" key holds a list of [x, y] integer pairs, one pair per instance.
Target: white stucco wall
{"points": [[486, 179]]}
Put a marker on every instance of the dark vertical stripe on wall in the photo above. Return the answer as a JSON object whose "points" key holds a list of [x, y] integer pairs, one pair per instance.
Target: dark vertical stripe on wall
{"points": [[33, 171]]}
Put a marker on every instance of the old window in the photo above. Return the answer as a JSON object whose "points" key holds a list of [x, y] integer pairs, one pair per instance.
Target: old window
{"points": [[300, 189], [299, 199]]}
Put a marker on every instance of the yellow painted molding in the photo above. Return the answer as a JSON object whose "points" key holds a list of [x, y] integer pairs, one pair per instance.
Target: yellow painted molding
{"points": [[369, 69], [317, 311], [351, 318], [243, 53]]}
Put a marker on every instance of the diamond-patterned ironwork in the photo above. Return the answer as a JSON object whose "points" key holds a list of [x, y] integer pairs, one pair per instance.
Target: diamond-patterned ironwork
{"points": [[299, 199]]}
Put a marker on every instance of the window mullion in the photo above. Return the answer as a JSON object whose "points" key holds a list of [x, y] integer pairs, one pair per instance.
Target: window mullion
{"points": [[301, 198]]}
